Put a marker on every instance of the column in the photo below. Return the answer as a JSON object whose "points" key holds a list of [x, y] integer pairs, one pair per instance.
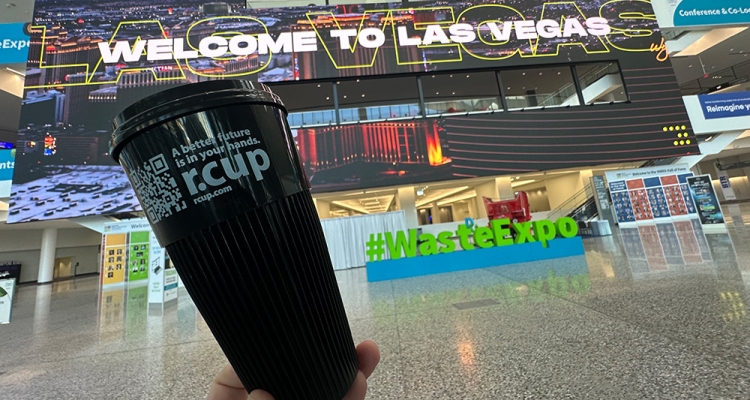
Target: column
{"points": [[435, 213], [504, 188], [47, 255], [407, 201], [324, 208], [472, 207], [488, 189], [586, 175]]}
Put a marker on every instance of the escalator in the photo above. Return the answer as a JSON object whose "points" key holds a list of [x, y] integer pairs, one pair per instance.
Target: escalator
{"points": [[582, 205]]}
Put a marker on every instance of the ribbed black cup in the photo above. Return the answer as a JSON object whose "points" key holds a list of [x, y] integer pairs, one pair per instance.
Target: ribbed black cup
{"points": [[217, 172]]}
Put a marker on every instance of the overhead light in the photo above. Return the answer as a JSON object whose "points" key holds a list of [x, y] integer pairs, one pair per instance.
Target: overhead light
{"points": [[363, 95], [710, 138], [540, 74], [451, 76], [15, 72], [518, 177], [690, 66], [467, 76], [559, 73], [319, 85], [437, 92], [453, 93], [328, 98], [357, 80], [344, 96], [523, 73]]}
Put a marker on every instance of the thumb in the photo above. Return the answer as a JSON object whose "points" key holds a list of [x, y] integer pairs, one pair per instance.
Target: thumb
{"points": [[260, 395]]}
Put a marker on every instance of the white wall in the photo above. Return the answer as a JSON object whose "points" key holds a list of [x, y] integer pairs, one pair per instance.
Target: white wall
{"points": [[560, 189], [461, 210], [538, 200], [23, 245]]}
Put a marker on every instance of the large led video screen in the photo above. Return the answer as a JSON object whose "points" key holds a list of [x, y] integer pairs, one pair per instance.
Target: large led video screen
{"points": [[89, 60]]}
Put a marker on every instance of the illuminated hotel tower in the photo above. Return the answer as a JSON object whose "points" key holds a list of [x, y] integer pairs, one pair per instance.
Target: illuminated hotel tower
{"points": [[382, 142]]}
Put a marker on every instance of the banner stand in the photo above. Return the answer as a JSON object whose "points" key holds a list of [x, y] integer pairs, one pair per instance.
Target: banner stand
{"points": [[133, 258], [7, 289]]}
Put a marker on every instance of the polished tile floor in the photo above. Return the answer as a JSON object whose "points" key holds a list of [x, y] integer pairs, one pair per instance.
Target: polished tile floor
{"points": [[652, 312]]}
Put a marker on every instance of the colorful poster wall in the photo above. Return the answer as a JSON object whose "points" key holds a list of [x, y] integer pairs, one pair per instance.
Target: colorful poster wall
{"points": [[651, 194], [127, 254], [133, 255], [706, 201]]}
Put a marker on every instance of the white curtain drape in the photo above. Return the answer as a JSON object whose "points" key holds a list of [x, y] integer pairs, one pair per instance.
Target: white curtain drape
{"points": [[346, 237]]}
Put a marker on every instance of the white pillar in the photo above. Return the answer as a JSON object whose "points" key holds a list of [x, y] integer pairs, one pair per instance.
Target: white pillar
{"points": [[47, 255], [324, 209], [407, 201], [504, 189], [496, 189], [435, 213]]}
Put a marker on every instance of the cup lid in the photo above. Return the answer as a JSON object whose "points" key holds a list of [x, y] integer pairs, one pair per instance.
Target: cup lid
{"points": [[182, 100]]}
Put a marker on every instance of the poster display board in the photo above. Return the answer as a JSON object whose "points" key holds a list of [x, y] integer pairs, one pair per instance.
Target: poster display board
{"points": [[651, 194], [131, 254], [7, 287], [726, 185], [706, 201]]}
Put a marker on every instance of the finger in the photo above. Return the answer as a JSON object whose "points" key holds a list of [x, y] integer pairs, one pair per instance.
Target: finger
{"points": [[358, 389], [369, 357], [227, 386]]}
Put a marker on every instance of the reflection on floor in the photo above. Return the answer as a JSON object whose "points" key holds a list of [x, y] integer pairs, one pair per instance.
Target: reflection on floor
{"points": [[659, 312]]}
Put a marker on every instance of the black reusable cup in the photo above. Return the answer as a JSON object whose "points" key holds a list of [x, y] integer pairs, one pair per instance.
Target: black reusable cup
{"points": [[216, 169]]}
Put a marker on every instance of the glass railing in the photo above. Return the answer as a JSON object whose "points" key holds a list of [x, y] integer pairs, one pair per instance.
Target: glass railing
{"points": [[462, 106], [540, 100], [307, 118], [374, 113]]}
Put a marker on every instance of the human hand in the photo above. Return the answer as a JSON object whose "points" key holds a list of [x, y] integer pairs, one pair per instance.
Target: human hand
{"points": [[227, 385]]}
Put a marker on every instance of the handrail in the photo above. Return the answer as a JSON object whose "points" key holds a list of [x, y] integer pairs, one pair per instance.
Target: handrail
{"points": [[687, 90], [581, 78], [575, 201]]}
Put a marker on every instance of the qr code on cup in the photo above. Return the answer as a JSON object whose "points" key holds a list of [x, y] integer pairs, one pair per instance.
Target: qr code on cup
{"points": [[157, 189]]}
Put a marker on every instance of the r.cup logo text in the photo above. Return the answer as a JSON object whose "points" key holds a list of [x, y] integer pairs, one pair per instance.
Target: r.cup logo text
{"points": [[214, 174]]}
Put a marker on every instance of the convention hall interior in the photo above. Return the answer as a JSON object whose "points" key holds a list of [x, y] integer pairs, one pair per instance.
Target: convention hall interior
{"points": [[484, 199]]}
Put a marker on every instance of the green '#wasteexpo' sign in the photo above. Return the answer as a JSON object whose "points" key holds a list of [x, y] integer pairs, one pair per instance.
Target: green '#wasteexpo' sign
{"points": [[501, 232]]}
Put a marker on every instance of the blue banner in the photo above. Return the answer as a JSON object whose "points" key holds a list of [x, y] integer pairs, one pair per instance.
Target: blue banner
{"points": [[725, 105], [7, 162], [716, 12], [14, 43]]}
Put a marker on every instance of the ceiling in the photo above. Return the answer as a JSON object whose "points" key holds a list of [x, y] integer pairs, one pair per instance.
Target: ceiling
{"points": [[440, 193], [721, 56]]}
